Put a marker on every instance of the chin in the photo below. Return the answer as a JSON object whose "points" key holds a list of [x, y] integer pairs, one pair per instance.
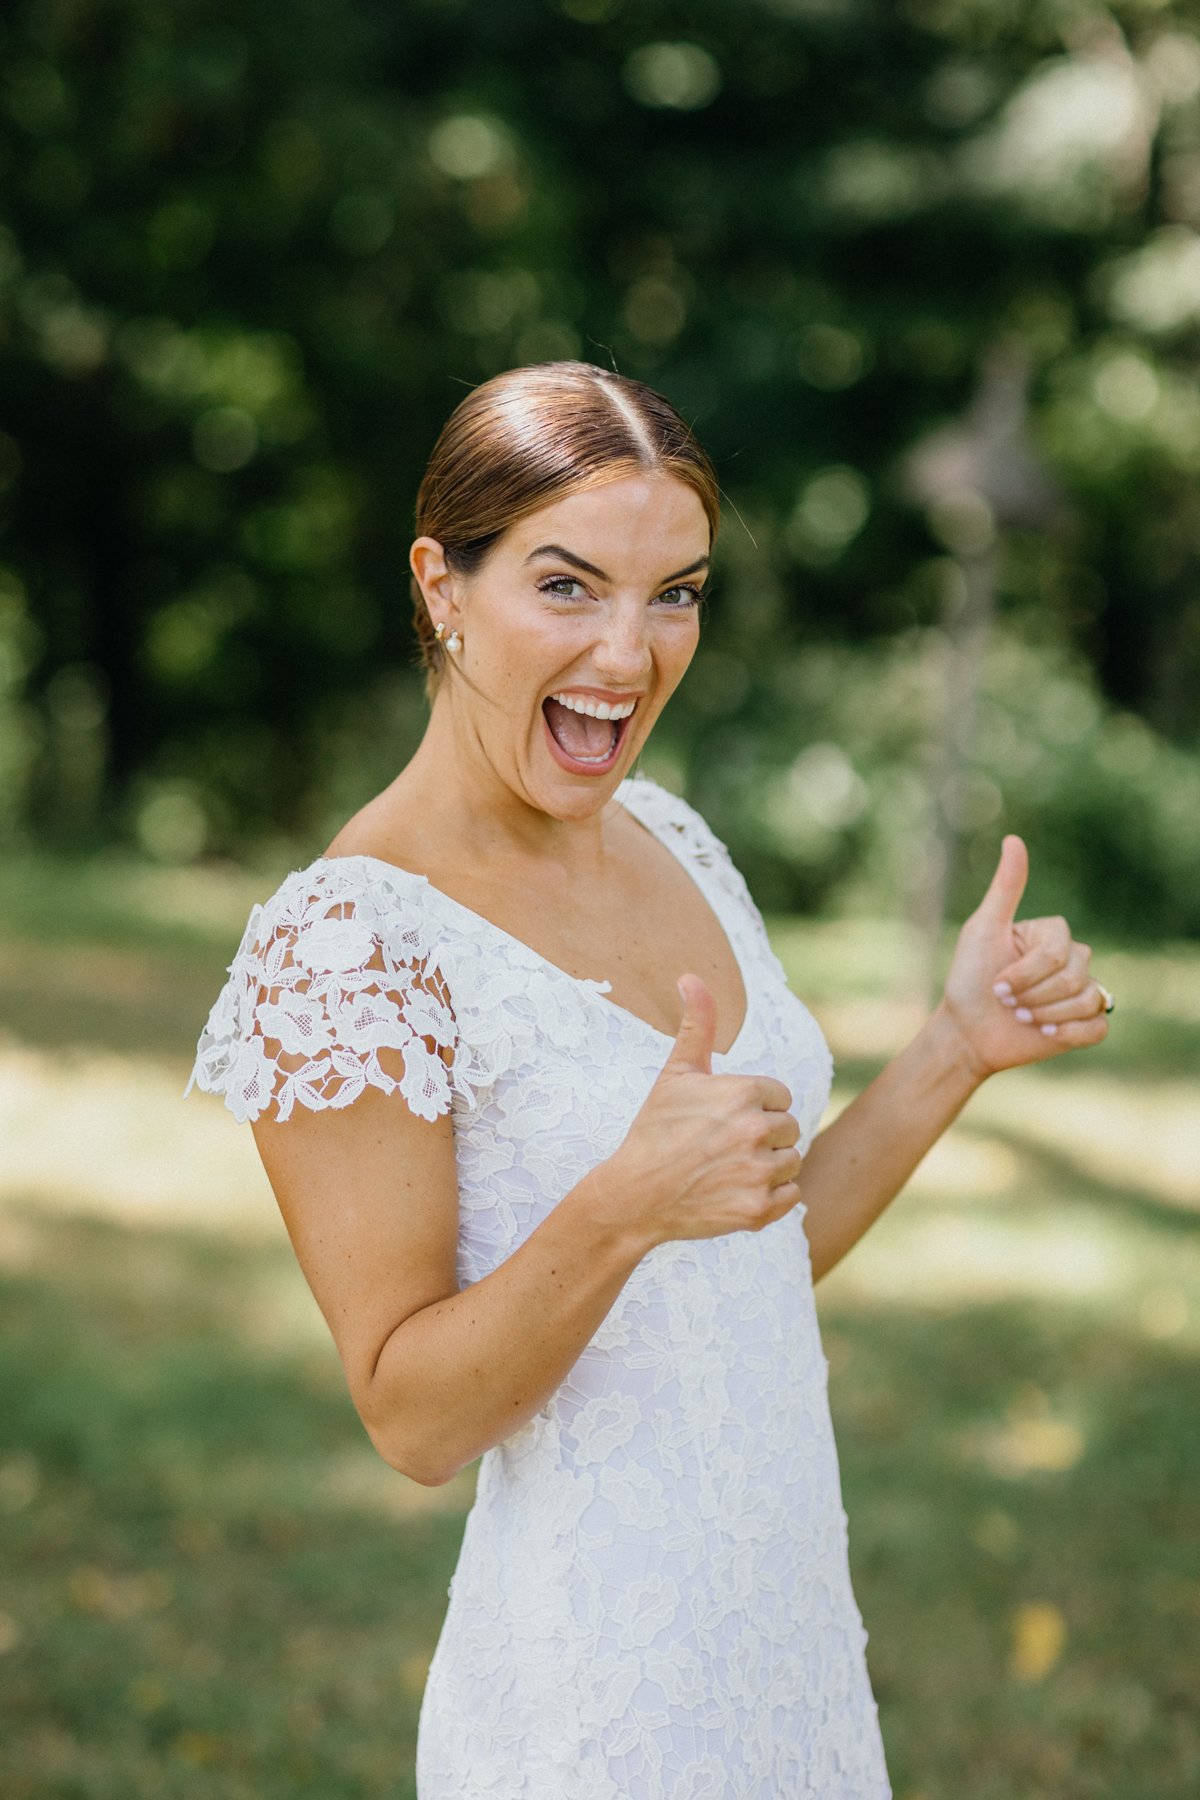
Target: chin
{"points": [[566, 791], [572, 801]]}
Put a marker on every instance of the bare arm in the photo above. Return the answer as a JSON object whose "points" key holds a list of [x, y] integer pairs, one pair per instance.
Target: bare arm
{"points": [[370, 1199], [1016, 993], [857, 1165]]}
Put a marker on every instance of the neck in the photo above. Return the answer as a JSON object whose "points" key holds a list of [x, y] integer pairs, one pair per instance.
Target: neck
{"points": [[453, 798]]}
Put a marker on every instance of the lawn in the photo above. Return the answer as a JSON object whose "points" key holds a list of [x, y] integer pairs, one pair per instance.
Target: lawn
{"points": [[211, 1588]]}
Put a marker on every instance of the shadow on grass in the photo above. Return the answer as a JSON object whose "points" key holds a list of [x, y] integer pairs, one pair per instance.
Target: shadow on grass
{"points": [[949, 1545], [141, 1003], [111, 954], [1057, 1173], [190, 1613], [190, 1610]]}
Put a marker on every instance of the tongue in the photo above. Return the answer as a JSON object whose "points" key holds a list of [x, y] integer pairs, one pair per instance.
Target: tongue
{"points": [[589, 739]]}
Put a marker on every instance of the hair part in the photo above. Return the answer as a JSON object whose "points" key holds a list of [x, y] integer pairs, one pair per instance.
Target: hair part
{"points": [[530, 437]]}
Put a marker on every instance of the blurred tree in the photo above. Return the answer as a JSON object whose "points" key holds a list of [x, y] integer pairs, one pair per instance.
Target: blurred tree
{"points": [[252, 255]]}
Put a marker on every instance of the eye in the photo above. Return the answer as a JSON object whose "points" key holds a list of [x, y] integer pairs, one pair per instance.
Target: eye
{"points": [[564, 587], [680, 597]]}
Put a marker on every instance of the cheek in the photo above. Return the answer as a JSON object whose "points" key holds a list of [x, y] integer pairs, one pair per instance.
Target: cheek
{"points": [[509, 641], [674, 647], [520, 630], [520, 650]]}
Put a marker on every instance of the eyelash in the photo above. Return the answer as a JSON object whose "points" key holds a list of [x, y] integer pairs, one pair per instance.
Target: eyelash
{"points": [[553, 583]]}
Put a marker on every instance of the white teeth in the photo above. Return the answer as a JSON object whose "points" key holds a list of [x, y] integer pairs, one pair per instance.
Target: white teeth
{"points": [[595, 709]]}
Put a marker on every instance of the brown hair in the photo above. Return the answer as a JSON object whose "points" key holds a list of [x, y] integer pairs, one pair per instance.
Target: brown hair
{"points": [[530, 437]]}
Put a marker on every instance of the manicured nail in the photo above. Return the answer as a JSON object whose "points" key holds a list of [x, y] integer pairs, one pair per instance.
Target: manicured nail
{"points": [[1001, 989], [1049, 1030], [1023, 1013], [1008, 999]]}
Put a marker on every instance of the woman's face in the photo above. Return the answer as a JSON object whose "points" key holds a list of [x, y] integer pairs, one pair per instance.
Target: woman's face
{"points": [[575, 633]]}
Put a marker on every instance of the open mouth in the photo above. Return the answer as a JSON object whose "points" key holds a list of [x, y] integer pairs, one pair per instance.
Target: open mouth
{"points": [[587, 742]]}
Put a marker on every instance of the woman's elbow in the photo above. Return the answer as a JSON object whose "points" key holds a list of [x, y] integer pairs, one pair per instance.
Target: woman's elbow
{"points": [[413, 1455], [406, 1426]]}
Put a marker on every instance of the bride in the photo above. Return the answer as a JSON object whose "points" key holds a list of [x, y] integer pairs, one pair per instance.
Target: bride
{"points": [[533, 1094]]}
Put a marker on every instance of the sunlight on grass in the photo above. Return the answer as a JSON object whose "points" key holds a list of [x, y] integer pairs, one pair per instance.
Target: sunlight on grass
{"points": [[1039, 1633]]}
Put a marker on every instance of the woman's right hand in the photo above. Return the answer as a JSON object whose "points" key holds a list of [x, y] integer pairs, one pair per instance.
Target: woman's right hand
{"points": [[707, 1154], [371, 1200]]}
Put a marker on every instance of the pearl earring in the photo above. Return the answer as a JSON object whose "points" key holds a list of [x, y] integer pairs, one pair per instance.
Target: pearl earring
{"points": [[450, 640]]}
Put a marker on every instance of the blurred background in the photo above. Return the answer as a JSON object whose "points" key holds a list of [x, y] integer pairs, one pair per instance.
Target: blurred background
{"points": [[926, 278]]}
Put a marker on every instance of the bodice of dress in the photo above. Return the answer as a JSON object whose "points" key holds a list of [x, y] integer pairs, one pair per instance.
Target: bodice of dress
{"points": [[653, 1600]]}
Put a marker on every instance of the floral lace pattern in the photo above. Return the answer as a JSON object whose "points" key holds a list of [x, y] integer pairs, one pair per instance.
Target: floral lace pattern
{"points": [[653, 1599]]}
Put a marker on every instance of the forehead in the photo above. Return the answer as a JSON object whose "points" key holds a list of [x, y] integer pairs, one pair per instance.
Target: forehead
{"points": [[634, 515]]}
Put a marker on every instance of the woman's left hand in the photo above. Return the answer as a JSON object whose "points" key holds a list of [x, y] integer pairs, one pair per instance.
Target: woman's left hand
{"points": [[1020, 993]]}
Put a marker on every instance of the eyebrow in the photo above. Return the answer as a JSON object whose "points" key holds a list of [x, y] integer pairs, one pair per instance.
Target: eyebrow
{"points": [[588, 568]]}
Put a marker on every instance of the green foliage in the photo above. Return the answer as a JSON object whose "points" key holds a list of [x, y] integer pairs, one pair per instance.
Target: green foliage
{"points": [[18, 640], [251, 255], [831, 798]]}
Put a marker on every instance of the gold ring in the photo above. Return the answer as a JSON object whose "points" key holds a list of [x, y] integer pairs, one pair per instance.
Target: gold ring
{"points": [[1110, 1004]]}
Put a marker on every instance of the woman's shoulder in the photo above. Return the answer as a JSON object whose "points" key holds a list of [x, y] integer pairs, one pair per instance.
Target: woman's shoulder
{"points": [[669, 817], [341, 962], [684, 831], [363, 884], [352, 957], [355, 904]]}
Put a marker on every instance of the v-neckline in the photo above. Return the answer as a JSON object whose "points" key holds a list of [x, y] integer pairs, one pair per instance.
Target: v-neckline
{"points": [[594, 988]]}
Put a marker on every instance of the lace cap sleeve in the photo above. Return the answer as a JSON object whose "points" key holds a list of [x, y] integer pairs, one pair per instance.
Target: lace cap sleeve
{"points": [[326, 979]]}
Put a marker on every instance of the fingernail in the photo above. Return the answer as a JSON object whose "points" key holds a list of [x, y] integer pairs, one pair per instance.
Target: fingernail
{"points": [[1049, 1030], [1008, 999], [1001, 989], [1023, 1013]]}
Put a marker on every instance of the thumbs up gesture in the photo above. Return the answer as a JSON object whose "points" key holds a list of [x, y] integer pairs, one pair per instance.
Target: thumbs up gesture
{"points": [[1021, 992], [693, 1051], [707, 1154]]}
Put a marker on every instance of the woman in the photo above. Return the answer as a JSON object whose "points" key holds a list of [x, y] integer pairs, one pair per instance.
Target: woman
{"points": [[532, 1093]]}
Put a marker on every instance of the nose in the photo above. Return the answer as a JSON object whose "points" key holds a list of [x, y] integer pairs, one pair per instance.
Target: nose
{"points": [[622, 652]]}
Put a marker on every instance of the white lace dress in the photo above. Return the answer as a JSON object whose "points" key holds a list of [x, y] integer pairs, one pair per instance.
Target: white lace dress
{"points": [[653, 1600]]}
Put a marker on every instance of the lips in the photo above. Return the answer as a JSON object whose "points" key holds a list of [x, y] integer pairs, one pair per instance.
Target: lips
{"points": [[583, 745]]}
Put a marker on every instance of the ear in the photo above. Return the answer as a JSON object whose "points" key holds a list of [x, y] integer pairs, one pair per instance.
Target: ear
{"points": [[427, 560]]}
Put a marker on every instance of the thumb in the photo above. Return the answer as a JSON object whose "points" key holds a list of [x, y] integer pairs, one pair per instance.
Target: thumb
{"points": [[999, 905], [697, 1029]]}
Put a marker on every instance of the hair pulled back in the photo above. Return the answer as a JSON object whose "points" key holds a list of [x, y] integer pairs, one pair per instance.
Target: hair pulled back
{"points": [[530, 437]]}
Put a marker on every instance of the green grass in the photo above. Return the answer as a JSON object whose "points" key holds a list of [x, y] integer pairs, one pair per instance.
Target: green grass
{"points": [[195, 1616], [112, 952], [121, 901], [209, 1590], [946, 1550], [198, 1615]]}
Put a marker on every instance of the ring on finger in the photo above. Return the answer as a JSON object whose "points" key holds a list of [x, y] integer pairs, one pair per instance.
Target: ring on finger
{"points": [[1110, 1004]]}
